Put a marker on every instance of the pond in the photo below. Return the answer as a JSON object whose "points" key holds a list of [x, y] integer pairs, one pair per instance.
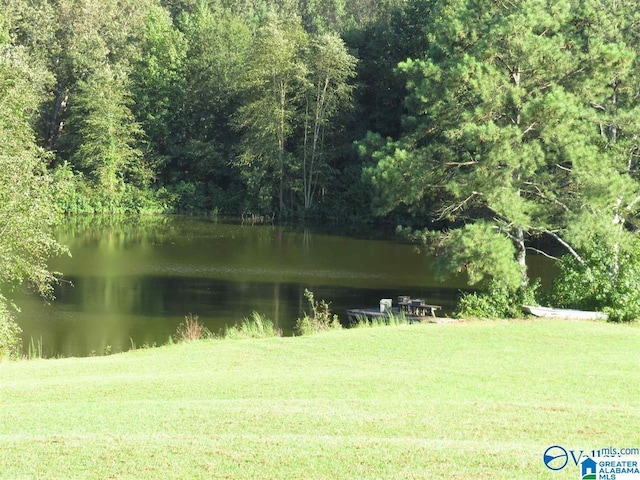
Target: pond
{"points": [[130, 284]]}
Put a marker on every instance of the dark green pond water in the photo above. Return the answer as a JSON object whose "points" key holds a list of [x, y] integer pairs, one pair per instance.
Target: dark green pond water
{"points": [[132, 283]]}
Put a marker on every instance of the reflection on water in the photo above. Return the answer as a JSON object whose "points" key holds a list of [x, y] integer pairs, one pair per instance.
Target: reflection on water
{"points": [[133, 282]]}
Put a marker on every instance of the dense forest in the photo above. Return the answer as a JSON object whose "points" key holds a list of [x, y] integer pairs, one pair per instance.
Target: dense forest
{"points": [[212, 106], [491, 130]]}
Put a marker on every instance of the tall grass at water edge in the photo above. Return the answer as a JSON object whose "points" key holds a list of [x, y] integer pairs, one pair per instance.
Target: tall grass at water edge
{"points": [[35, 349], [255, 326], [321, 318], [389, 319], [191, 329]]}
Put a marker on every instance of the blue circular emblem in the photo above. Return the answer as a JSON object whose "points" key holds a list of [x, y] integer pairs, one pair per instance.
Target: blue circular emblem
{"points": [[555, 458]]}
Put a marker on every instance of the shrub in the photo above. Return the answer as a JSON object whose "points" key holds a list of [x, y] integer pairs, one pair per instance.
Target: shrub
{"points": [[498, 301], [320, 320], [607, 280], [10, 341], [256, 326], [76, 194], [191, 329], [306, 326]]}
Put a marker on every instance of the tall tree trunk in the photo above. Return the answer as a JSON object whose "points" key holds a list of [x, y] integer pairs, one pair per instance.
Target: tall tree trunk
{"points": [[53, 126], [310, 170], [521, 248], [305, 157], [522, 255], [281, 137]]}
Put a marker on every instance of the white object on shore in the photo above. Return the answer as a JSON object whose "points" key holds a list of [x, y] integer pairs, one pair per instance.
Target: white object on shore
{"points": [[563, 313]]}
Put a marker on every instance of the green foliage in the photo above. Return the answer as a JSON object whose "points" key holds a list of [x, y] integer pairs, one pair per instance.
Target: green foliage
{"points": [[607, 279], [498, 301], [256, 326], [328, 93], [395, 33], [189, 196], [27, 214], [323, 16], [85, 118], [107, 171], [151, 95], [320, 319], [34, 351], [519, 114], [191, 329], [157, 80], [194, 138], [73, 194], [107, 133], [296, 90], [513, 121], [74, 39], [272, 81], [479, 251], [10, 339]]}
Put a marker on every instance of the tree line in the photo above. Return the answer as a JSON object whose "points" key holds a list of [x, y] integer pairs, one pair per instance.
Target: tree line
{"points": [[210, 105]]}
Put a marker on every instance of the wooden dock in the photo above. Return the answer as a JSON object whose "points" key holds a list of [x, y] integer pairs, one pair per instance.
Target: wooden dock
{"points": [[357, 314], [412, 310]]}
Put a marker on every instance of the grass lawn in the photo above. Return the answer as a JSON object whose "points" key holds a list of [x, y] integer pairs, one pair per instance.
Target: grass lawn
{"points": [[475, 400]]}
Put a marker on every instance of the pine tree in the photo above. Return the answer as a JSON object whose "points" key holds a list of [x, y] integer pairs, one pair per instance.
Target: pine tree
{"points": [[514, 133]]}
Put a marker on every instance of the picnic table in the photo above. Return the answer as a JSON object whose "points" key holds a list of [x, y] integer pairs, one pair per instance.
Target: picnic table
{"points": [[417, 307]]}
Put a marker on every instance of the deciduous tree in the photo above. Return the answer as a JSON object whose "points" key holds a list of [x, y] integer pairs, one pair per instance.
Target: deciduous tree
{"points": [[26, 212], [158, 81], [328, 93], [274, 80], [217, 45], [107, 133]]}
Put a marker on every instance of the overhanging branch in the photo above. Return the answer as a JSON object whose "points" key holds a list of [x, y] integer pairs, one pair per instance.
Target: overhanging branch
{"points": [[541, 195], [543, 253], [447, 211], [570, 249]]}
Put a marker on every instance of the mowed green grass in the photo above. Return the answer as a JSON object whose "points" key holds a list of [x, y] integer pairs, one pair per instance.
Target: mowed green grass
{"points": [[458, 401]]}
